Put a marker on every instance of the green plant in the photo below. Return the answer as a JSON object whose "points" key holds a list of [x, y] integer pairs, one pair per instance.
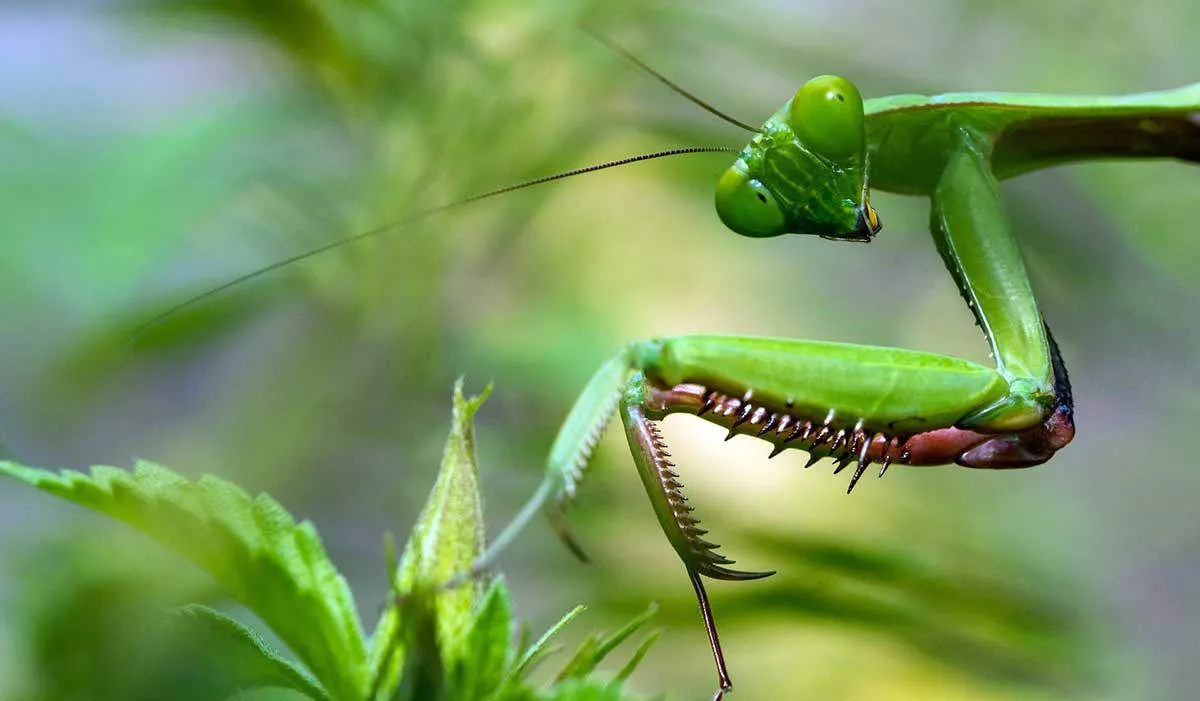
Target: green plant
{"points": [[431, 642]]}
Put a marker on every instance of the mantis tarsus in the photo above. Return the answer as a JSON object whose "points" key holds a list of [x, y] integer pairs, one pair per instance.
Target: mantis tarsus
{"points": [[809, 170]]}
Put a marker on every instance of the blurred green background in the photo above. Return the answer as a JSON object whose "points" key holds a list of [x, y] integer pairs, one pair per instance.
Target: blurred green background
{"points": [[150, 150]]}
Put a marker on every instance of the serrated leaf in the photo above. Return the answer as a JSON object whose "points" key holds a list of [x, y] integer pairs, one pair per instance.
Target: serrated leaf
{"points": [[485, 656], [595, 648], [447, 538], [245, 656], [274, 566]]}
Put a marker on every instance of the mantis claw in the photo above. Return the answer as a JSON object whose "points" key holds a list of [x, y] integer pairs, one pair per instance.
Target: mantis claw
{"points": [[662, 383], [858, 472], [743, 416], [730, 575], [887, 462]]}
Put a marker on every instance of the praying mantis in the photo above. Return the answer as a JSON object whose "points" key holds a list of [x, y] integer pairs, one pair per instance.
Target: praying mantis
{"points": [[810, 169]]}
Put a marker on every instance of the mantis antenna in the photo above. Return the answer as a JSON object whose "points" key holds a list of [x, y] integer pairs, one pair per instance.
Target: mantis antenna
{"points": [[628, 56], [371, 233], [386, 228]]}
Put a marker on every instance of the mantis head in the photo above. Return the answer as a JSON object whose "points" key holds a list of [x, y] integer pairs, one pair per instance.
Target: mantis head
{"points": [[806, 170]]}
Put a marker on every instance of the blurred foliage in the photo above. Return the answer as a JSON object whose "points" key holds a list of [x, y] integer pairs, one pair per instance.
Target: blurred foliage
{"points": [[152, 150]]}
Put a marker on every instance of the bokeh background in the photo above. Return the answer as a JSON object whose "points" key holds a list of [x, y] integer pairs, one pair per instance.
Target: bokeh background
{"points": [[150, 150]]}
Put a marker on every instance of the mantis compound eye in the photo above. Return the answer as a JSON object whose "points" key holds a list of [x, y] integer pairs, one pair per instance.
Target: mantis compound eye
{"points": [[747, 207], [827, 115]]}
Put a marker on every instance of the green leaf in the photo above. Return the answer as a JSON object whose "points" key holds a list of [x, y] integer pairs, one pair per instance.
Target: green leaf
{"points": [[636, 658], [265, 694], [423, 674], [274, 566], [585, 690], [595, 648], [540, 649], [447, 539], [486, 649], [243, 653]]}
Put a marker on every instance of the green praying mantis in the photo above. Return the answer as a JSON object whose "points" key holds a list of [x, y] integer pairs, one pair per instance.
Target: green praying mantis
{"points": [[809, 169]]}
